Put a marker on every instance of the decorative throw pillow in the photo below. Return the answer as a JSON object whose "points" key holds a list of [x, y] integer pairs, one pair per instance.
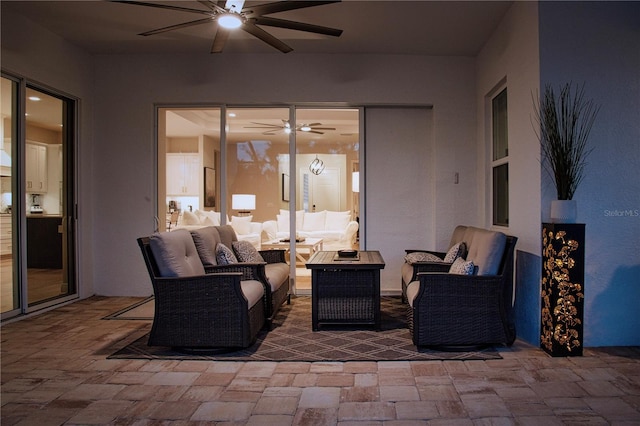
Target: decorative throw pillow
{"points": [[421, 257], [246, 252], [462, 267], [224, 255], [455, 252], [241, 224], [314, 221], [190, 218], [337, 221]]}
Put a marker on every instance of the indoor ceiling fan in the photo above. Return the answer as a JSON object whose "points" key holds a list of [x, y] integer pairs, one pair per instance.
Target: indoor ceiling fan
{"points": [[286, 127], [225, 16]]}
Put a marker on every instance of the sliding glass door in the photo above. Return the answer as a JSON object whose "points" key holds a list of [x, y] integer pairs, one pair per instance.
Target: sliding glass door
{"points": [[38, 201], [252, 167]]}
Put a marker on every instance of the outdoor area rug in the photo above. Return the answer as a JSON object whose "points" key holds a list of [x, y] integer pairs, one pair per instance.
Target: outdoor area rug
{"points": [[291, 339]]}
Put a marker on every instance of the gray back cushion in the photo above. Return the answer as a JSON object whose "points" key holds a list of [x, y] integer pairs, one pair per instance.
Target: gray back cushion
{"points": [[486, 250], [227, 235], [457, 236], [176, 254], [206, 239]]}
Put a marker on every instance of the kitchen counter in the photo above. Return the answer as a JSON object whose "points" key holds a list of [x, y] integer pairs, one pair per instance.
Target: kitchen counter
{"points": [[44, 241]]}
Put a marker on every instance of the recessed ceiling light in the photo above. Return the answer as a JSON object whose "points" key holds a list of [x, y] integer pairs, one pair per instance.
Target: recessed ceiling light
{"points": [[34, 98], [232, 114]]}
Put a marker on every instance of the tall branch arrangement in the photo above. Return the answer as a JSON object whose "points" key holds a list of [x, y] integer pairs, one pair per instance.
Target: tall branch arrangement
{"points": [[564, 123]]}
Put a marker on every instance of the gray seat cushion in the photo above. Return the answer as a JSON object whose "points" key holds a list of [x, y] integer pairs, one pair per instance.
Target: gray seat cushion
{"points": [[407, 272], [412, 291], [253, 290], [277, 274], [175, 254]]}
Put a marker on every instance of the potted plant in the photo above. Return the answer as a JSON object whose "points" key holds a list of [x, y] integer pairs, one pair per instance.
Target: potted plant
{"points": [[565, 122]]}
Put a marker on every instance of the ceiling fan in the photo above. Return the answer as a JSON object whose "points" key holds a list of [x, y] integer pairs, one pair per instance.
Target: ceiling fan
{"points": [[230, 14], [286, 127]]}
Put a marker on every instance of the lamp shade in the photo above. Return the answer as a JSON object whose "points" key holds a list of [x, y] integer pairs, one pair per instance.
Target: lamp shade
{"points": [[355, 182], [243, 202]]}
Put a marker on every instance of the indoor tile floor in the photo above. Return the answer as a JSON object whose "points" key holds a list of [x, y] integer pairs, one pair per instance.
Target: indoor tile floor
{"points": [[55, 372]]}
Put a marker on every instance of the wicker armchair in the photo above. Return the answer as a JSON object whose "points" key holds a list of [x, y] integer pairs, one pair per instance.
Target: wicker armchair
{"points": [[410, 271], [219, 310], [458, 311]]}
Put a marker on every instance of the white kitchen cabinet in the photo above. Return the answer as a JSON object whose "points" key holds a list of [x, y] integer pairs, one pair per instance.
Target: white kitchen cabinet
{"points": [[5, 234], [183, 174], [36, 168]]}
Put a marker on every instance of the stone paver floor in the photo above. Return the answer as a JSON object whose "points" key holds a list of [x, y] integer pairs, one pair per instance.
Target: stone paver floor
{"points": [[55, 372]]}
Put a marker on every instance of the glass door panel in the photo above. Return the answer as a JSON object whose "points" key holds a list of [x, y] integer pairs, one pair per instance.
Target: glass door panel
{"points": [[188, 167], [46, 196], [9, 290], [257, 154], [327, 147]]}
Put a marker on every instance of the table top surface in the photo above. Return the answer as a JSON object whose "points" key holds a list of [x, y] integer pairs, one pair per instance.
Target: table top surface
{"points": [[306, 242], [366, 259]]}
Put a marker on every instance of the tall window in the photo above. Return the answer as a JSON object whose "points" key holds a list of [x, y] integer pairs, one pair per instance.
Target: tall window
{"points": [[500, 159]]}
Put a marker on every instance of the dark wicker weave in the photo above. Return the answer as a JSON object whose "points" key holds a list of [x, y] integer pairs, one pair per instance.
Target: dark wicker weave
{"points": [[345, 292], [465, 310], [208, 311]]}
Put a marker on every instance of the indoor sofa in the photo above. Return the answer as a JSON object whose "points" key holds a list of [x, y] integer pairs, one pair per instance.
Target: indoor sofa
{"points": [[469, 301], [336, 229], [244, 227]]}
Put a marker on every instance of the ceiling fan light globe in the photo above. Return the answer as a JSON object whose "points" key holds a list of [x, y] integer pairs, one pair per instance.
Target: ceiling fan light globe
{"points": [[230, 20], [305, 128]]}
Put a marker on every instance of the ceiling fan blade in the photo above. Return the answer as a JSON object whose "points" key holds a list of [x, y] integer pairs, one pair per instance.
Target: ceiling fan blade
{"points": [[163, 6], [252, 29], [277, 126], [177, 26], [317, 133], [220, 39], [282, 6], [322, 128], [298, 26]]}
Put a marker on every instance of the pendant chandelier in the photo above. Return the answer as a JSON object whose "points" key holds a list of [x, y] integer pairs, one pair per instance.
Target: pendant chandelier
{"points": [[317, 166]]}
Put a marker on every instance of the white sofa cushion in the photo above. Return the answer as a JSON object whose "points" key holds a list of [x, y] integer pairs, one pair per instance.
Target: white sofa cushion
{"points": [[190, 218], [314, 221], [336, 221], [208, 217], [241, 224]]}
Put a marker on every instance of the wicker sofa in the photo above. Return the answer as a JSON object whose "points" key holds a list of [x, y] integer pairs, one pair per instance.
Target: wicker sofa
{"points": [[456, 310], [194, 309], [273, 273]]}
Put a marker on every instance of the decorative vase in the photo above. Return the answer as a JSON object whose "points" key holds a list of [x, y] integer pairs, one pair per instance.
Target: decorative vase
{"points": [[564, 211]]}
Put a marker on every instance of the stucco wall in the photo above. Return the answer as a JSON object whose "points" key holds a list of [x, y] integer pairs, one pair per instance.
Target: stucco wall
{"points": [[47, 60], [510, 57], [598, 44], [128, 87]]}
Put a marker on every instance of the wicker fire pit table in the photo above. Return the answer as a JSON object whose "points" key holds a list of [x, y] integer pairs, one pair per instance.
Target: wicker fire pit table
{"points": [[345, 290]]}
